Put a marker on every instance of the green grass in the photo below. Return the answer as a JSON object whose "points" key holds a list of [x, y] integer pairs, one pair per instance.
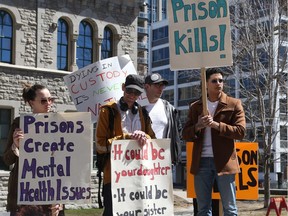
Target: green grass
{"points": [[86, 212]]}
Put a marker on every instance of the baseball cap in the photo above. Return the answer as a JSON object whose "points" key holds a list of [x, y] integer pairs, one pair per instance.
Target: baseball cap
{"points": [[155, 78], [134, 81]]}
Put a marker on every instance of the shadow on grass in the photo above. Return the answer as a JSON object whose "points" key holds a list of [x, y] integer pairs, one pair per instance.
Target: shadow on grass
{"points": [[84, 212]]}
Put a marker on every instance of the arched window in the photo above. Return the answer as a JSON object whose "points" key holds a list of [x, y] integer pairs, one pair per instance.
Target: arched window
{"points": [[107, 44], [6, 37], [62, 45], [84, 45]]}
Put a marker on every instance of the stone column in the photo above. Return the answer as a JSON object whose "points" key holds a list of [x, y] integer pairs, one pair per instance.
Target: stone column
{"points": [[74, 66], [99, 42]]}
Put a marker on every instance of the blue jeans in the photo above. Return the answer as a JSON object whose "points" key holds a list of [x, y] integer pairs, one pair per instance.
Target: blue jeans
{"points": [[203, 184]]}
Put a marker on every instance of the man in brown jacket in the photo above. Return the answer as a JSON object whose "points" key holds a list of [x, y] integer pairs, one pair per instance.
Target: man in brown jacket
{"points": [[214, 153], [129, 123]]}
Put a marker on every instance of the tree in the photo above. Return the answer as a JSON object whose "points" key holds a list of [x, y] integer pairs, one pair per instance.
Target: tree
{"points": [[260, 39]]}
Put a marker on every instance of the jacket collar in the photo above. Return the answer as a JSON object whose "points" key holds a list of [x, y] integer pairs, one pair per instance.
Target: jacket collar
{"points": [[222, 102]]}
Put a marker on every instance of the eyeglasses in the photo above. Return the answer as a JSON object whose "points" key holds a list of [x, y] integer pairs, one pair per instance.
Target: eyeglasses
{"points": [[217, 80], [132, 91], [47, 100]]}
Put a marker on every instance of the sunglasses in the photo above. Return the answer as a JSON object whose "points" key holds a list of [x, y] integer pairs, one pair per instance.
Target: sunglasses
{"points": [[47, 100], [217, 80], [132, 91]]}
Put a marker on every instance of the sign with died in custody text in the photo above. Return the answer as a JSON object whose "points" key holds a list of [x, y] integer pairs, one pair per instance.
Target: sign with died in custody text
{"points": [[98, 83]]}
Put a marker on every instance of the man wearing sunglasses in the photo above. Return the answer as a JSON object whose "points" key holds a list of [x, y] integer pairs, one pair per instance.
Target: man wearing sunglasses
{"points": [[214, 153], [164, 116], [129, 122]]}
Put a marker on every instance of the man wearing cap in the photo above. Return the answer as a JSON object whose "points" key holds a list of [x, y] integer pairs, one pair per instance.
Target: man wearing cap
{"points": [[128, 123], [164, 117]]}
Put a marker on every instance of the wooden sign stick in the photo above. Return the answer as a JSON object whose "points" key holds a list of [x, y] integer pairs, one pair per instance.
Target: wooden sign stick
{"points": [[204, 91]]}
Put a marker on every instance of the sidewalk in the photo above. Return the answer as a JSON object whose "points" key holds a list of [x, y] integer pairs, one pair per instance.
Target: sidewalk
{"points": [[182, 205]]}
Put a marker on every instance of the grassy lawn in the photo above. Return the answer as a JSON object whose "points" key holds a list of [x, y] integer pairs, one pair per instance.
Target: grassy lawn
{"points": [[86, 212]]}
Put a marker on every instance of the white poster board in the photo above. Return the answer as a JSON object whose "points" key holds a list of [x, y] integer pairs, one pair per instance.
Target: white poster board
{"points": [[98, 83], [55, 159], [142, 178], [199, 34]]}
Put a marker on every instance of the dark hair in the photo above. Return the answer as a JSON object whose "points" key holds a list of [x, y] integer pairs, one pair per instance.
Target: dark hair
{"points": [[29, 91], [211, 71]]}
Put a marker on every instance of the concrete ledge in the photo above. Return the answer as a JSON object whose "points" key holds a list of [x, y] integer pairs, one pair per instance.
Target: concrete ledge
{"points": [[4, 173], [274, 191]]}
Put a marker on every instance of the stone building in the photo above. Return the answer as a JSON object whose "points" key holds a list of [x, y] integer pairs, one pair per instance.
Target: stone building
{"points": [[42, 41]]}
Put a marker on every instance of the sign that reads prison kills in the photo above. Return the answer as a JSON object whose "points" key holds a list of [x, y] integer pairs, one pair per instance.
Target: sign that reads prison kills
{"points": [[55, 158], [199, 34]]}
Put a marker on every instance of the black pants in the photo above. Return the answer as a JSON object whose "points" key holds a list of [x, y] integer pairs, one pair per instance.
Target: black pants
{"points": [[107, 196]]}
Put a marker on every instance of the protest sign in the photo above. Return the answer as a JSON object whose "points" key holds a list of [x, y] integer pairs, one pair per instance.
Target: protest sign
{"points": [[199, 34], [98, 83], [141, 178], [55, 158], [246, 181]]}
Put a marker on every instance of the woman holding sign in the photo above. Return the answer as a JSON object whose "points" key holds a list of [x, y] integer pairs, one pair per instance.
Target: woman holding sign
{"points": [[40, 101]]}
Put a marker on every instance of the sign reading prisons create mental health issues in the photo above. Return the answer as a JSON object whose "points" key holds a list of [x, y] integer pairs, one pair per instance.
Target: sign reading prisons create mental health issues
{"points": [[55, 158], [199, 34]]}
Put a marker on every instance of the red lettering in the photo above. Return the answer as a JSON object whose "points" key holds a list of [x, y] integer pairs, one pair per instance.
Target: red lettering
{"points": [[156, 154], [82, 86], [109, 75], [72, 89], [92, 81]]}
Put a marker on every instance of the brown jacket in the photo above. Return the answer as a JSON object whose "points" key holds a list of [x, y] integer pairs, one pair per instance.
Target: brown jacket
{"points": [[105, 137], [230, 114]]}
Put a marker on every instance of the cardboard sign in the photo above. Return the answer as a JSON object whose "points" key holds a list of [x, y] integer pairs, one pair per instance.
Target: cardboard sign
{"points": [[55, 159], [98, 83], [246, 181], [199, 34], [142, 178]]}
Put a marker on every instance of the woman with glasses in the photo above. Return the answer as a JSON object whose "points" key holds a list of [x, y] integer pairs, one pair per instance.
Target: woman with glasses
{"points": [[39, 99]]}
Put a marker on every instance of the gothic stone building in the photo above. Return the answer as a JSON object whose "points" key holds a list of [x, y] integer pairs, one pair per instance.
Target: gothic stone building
{"points": [[43, 40]]}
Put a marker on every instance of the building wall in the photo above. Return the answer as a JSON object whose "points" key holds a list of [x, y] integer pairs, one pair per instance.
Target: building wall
{"points": [[36, 39], [35, 51]]}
